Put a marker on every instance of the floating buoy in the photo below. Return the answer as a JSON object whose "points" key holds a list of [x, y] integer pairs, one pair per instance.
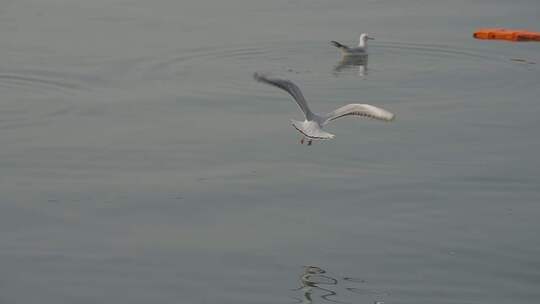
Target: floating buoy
{"points": [[506, 34]]}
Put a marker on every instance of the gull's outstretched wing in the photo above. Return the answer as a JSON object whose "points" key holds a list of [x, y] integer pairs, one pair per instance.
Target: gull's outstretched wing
{"points": [[356, 109], [290, 88]]}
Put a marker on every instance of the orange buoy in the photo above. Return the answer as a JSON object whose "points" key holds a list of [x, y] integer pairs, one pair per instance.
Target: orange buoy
{"points": [[506, 34]]}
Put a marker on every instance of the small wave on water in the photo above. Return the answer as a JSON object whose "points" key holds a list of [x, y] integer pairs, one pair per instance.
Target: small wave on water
{"points": [[208, 73], [229, 66], [436, 50], [39, 81], [32, 96], [318, 286]]}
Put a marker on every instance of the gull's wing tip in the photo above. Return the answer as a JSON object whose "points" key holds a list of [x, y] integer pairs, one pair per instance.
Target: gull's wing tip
{"points": [[259, 76], [391, 117], [388, 116], [256, 76]]}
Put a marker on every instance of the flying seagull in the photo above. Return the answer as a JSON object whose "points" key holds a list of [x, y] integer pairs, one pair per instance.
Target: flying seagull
{"points": [[361, 49], [311, 127]]}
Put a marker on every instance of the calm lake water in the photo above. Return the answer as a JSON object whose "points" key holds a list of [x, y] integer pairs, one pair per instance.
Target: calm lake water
{"points": [[141, 163]]}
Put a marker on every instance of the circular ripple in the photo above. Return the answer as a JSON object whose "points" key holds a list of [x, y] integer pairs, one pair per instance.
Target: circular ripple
{"points": [[222, 76], [33, 96]]}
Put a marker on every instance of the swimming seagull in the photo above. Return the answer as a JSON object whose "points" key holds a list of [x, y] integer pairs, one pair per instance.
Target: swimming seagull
{"points": [[312, 126], [361, 49]]}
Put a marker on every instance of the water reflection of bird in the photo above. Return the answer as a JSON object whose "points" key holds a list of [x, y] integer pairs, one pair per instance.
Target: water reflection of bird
{"points": [[310, 282], [351, 62], [316, 285], [360, 49]]}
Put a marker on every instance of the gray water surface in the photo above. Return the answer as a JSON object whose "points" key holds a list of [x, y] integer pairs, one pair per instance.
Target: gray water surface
{"points": [[141, 163]]}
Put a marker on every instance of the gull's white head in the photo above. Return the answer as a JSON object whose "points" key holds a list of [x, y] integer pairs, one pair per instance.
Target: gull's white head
{"points": [[364, 38]]}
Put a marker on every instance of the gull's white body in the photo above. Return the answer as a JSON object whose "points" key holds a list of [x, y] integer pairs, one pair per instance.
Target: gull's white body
{"points": [[360, 50], [312, 126], [311, 129]]}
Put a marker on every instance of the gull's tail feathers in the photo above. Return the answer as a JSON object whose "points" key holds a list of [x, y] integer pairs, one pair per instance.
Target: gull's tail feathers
{"points": [[339, 45], [311, 129]]}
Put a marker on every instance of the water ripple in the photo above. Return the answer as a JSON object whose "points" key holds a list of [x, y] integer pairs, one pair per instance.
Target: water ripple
{"points": [[316, 285], [34, 96], [42, 81]]}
